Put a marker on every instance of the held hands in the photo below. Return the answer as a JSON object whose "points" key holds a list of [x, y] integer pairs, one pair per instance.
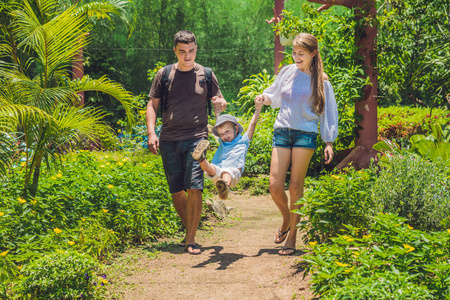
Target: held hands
{"points": [[328, 152], [153, 143], [264, 99], [258, 103]]}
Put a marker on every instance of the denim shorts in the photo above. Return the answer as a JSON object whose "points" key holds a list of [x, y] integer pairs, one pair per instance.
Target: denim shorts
{"points": [[182, 171], [292, 138]]}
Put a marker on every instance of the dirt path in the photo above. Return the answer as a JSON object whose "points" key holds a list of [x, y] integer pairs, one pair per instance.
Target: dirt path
{"points": [[239, 261]]}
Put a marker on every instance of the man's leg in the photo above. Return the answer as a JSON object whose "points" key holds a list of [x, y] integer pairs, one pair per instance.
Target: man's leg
{"points": [[193, 213], [179, 201]]}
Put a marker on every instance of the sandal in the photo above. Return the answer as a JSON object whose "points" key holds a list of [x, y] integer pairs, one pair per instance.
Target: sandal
{"points": [[283, 250], [193, 248], [279, 234], [199, 153], [222, 189]]}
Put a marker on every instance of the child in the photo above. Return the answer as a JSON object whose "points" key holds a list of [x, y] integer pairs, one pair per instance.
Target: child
{"points": [[228, 163]]}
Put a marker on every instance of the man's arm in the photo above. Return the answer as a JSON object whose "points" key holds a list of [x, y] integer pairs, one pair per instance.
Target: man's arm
{"points": [[150, 117], [254, 121]]}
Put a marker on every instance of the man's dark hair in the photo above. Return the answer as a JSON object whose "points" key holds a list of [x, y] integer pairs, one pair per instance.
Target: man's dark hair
{"points": [[185, 37]]}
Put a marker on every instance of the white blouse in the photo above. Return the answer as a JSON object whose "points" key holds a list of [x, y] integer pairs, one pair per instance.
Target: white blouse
{"points": [[291, 92]]}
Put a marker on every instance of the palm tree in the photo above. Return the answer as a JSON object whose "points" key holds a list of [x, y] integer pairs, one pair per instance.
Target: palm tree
{"points": [[38, 99]]}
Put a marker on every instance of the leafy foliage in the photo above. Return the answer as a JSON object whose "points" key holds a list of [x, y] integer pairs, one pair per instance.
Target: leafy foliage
{"points": [[62, 275], [414, 188], [407, 263], [253, 87], [399, 123], [334, 201], [413, 49]]}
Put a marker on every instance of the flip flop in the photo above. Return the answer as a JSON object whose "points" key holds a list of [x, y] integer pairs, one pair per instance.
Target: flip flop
{"points": [[279, 234], [284, 249], [193, 246]]}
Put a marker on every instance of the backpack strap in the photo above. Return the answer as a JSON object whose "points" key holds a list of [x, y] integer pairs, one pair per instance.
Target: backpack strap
{"points": [[208, 77], [165, 83]]}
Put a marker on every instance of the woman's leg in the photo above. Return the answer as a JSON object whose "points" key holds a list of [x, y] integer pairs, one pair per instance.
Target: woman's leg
{"points": [[281, 159], [299, 166]]}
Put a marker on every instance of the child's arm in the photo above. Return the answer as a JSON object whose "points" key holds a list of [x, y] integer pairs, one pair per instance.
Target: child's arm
{"points": [[254, 121]]}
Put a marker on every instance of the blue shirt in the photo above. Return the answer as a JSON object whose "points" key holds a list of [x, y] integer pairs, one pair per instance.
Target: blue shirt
{"points": [[232, 154]]}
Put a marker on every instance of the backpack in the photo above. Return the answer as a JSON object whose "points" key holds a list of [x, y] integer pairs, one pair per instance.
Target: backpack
{"points": [[165, 82]]}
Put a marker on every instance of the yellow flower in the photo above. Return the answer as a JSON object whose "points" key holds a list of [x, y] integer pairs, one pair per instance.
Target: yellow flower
{"points": [[105, 211], [410, 227], [34, 212], [4, 253], [125, 159], [356, 253], [19, 267], [409, 248], [2, 214], [53, 177], [142, 112], [312, 243], [448, 230], [104, 281], [59, 175], [120, 163], [144, 165], [22, 201], [83, 219], [71, 243], [57, 230], [367, 236], [341, 264], [102, 166], [33, 202], [108, 163], [122, 211], [23, 164], [119, 130], [348, 239], [335, 177], [349, 270], [110, 186], [106, 156]]}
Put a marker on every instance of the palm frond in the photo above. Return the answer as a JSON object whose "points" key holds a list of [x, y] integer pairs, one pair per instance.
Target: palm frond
{"points": [[111, 88], [55, 43], [103, 9]]}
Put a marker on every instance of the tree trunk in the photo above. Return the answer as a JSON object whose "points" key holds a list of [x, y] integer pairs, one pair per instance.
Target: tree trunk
{"points": [[78, 71], [278, 56], [366, 135]]}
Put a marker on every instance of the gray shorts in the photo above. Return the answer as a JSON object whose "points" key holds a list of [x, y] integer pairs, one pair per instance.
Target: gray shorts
{"points": [[182, 171]]}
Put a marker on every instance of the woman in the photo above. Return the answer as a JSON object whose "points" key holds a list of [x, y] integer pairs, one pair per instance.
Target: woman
{"points": [[305, 98]]}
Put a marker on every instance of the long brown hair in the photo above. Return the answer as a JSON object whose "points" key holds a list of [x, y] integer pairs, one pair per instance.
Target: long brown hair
{"points": [[309, 43]]}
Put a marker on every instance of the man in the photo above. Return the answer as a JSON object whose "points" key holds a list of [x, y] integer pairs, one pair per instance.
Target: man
{"points": [[185, 120]]}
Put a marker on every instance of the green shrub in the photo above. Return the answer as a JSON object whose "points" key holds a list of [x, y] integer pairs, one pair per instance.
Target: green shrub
{"points": [[399, 123], [391, 251], [387, 285], [334, 200], [414, 188], [62, 275]]}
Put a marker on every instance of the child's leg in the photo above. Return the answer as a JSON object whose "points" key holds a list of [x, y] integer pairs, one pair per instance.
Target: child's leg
{"points": [[207, 167], [227, 177]]}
